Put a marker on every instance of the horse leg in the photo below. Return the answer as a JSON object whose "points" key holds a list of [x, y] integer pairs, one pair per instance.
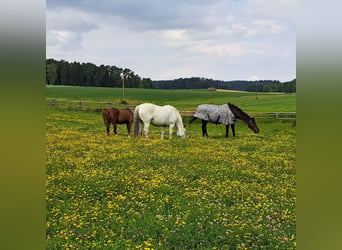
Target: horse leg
{"points": [[233, 129], [162, 133], [129, 126], [204, 128], [107, 128], [146, 126], [140, 128], [170, 130], [227, 130], [115, 129]]}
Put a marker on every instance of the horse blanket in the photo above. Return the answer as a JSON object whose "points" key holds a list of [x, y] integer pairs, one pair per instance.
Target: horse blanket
{"points": [[215, 114]]}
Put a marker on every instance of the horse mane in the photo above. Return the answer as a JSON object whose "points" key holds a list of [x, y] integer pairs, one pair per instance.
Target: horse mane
{"points": [[179, 122], [238, 112]]}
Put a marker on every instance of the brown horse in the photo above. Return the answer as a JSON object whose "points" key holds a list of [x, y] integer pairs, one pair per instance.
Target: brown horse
{"points": [[117, 116]]}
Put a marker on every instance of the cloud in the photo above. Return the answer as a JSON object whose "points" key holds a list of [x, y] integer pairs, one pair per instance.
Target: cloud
{"points": [[70, 20], [174, 37], [156, 39], [151, 14], [258, 27], [193, 43], [271, 8], [219, 50], [65, 29], [63, 45]]}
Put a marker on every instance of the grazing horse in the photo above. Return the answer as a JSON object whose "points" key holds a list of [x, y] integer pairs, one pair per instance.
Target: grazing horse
{"points": [[224, 114], [117, 116], [160, 116]]}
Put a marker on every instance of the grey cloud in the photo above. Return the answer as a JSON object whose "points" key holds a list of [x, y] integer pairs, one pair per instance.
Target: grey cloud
{"points": [[148, 14], [69, 20], [195, 37]]}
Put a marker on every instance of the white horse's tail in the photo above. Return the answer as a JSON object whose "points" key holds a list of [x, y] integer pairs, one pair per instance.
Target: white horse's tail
{"points": [[136, 122]]}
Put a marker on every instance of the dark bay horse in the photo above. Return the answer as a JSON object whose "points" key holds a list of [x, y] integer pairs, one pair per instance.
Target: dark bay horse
{"points": [[224, 114], [117, 116]]}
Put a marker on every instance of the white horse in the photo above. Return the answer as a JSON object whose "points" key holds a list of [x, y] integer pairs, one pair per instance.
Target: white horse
{"points": [[160, 116]]}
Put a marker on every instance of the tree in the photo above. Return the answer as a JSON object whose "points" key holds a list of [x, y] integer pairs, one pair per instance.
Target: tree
{"points": [[51, 73], [64, 73], [146, 83]]}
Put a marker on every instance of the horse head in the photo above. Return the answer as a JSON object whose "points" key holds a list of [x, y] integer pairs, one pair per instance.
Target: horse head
{"points": [[252, 125], [181, 132]]}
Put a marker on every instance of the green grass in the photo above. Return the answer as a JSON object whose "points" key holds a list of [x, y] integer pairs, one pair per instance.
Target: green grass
{"points": [[182, 99], [198, 193]]}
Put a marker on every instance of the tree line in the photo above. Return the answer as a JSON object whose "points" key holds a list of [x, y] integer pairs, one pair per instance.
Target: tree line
{"points": [[251, 86], [88, 74]]}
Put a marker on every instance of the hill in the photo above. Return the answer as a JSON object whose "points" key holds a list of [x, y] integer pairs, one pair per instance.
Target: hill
{"points": [[186, 99]]}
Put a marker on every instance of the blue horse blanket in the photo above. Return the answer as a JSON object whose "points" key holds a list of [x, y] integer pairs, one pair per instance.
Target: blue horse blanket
{"points": [[215, 114]]}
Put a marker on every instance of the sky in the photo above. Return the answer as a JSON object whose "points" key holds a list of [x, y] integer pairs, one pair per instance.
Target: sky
{"points": [[169, 39]]}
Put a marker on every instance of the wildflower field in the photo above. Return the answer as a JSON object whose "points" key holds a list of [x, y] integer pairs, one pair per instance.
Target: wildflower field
{"points": [[107, 192]]}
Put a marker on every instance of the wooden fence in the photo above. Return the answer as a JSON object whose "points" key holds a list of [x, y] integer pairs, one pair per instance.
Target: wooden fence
{"points": [[98, 106]]}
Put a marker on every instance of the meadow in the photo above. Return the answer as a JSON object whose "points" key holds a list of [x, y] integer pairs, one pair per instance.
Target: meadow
{"points": [[106, 192], [187, 99]]}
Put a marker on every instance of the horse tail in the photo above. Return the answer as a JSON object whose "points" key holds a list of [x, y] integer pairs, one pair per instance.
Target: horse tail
{"points": [[192, 119], [136, 121], [105, 114]]}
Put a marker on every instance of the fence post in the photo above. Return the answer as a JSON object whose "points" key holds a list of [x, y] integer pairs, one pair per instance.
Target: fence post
{"points": [[52, 103]]}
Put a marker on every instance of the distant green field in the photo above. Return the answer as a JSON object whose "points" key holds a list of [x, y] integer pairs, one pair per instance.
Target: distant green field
{"points": [[182, 99]]}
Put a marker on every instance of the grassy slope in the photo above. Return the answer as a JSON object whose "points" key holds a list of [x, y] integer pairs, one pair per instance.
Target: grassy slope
{"points": [[182, 99]]}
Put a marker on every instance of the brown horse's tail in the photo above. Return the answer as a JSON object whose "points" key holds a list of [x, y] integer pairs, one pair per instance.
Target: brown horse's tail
{"points": [[105, 114], [136, 121]]}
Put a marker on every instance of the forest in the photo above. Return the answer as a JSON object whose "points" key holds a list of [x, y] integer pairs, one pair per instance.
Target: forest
{"points": [[250, 86], [88, 74], [61, 72]]}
